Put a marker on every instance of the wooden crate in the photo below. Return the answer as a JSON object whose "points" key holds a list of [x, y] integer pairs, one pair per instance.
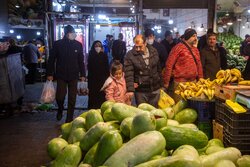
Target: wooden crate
{"points": [[229, 91], [217, 130]]}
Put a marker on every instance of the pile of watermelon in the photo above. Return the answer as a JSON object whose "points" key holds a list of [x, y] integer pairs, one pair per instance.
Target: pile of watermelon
{"points": [[118, 135]]}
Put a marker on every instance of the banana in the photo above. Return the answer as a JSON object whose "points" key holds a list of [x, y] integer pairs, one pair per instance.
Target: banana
{"points": [[183, 96], [209, 91], [183, 86], [220, 74], [245, 82], [229, 78], [236, 72], [178, 92], [212, 93], [235, 78], [199, 92]]}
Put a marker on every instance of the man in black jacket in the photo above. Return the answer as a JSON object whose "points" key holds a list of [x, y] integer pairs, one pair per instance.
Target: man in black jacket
{"points": [[66, 62], [119, 49], [143, 72], [162, 52]]}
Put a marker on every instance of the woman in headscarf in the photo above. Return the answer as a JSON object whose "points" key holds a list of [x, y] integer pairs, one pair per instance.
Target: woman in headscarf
{"points": [[98, 72]]}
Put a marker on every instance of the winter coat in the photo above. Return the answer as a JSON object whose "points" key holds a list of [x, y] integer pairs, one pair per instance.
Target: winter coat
{"points": [[211, 61], [148, 77], [67, 56], [162, 52], [98, 72], [116, 90]]}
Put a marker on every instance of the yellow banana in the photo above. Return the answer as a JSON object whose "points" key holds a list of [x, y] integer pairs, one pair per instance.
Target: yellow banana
{"points": [[229, 78], [220, 74], [245, 82], [178, 92], [199, 92], [235, 78], [183, 96], [212, 93], [236, 72]]}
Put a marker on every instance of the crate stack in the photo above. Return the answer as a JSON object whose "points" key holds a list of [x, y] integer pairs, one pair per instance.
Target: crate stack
{"points": [[236, 127], [205, 111]]}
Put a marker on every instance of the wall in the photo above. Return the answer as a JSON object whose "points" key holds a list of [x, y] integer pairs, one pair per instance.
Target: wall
{"points": [[3, 18], [184, 17], [240, 27]]}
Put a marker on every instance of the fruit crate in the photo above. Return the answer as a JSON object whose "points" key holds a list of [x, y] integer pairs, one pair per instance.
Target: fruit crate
{"points": [[207, 128], [205, 109], [242, 142]]}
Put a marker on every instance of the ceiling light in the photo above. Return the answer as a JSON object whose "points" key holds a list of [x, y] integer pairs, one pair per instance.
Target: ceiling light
{"points": [[248, 10], [227, 14], [38, 33], [230, 23], [243, 27], [247, 22], [18, 37], [159, 31], [97, 26], [17, 6], [11, 31], [239, 18], [171, 21], [175, 29], [224, 26]]}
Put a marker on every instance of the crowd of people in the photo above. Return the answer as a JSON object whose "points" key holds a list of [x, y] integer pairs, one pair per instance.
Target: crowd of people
{"points": [[136, 76]]}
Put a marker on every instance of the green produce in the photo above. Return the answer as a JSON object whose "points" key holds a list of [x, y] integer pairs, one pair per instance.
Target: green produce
{"points": [[159, 113], [84, 165], [156, 157], [224, 163], [170, 112], [55, 146], [176, 136], [146, 106], [229, 153], [114, 124], [92, 118], [76, 135], [108, 116], [164, 153], [180, 106], [160, 123], [186, 115], [141, 123], [70, 156], [93, 135], [121, 111], [138, 150], [215, 142], [184, 156], [125, 126], [192, 126], [173, 122], [213, 149], [244, 161], [66, 128], [84, 114], [78, 122], [106, 105], [89, 157], [110, 142]]}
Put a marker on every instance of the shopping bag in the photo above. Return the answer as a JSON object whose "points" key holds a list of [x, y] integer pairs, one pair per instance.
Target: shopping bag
{"points": [[165, 100], [48, 93], [82, 88]]}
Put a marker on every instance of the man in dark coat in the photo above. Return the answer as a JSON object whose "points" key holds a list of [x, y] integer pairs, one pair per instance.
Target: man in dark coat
{"points": [[246, 73], [119, 49], [244, 44], [212, 57], [67, 56], [150, 38], [203, 39], [143, 72], [168, 42]]}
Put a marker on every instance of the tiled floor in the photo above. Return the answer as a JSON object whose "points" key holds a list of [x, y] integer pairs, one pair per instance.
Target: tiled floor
{"points": [[24, 136]]}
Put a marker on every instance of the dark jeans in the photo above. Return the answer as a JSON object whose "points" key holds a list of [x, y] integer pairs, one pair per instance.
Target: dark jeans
{"points": [[31, 76], [148, 97], [61, 92]]}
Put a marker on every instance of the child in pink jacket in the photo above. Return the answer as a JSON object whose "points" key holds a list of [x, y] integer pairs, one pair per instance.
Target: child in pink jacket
{"points": [[115, 86]]}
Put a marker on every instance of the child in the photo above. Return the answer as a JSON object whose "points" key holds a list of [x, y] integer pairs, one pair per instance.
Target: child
{"points": [[115, 85]]}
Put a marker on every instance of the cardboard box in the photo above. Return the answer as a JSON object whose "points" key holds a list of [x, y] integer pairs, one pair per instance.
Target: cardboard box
{"points": [[217, 130], [228, 92]]}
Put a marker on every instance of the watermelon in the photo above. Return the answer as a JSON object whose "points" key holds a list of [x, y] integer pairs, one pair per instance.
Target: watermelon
{"points": [[188, 115], [55, 146]]}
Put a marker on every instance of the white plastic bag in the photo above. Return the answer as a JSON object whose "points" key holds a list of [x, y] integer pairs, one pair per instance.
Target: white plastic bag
{"points": [[48, 93], [82, 88]]}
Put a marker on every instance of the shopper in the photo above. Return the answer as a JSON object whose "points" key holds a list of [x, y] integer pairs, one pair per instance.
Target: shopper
{"points": [[183, 63], [119, 49], [203, 39], [106, 44], [115, 86], [31, 56], [143, 72], [244, 44], [246, 73], [98, 72], [67, 64], [168, 42], [213, 57], [13, 48], [150, 38]]}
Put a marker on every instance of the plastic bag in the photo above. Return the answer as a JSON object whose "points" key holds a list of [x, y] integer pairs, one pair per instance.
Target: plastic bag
{"points": [[82, 88], [48, 93], [165, 100]]}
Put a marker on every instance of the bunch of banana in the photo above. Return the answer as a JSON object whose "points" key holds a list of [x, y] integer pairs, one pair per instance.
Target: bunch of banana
{"points": [[228, 76], [201, 89]]}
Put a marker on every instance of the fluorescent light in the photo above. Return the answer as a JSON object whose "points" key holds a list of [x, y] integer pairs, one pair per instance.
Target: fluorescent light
{"points": [[18, 37], [101, 16], [78, 30], [17, 6], [97, 26], [248, 10], [230, 23], [11, 31], [243, 27], [159, 31], [38, 33], [170, 21]]}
